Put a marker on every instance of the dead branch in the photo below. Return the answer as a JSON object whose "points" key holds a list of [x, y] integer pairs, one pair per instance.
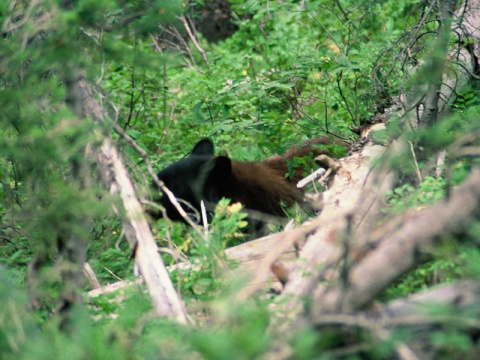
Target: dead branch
{"points": [[193, 38], [90, 275], [449, 70], [457, 295], [110, 288], [440, 166], [401, 250], [311, 178], [257, 257], [412, 310], [165, 299], [355, 190], [414, 313], [417, 169]]}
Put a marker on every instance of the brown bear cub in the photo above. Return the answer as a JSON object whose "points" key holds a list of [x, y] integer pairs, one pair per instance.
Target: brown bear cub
{"points": [[259, 186]]}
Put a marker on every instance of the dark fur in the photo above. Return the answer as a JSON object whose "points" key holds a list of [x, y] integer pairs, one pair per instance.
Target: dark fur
{"points": [[259, 186]]}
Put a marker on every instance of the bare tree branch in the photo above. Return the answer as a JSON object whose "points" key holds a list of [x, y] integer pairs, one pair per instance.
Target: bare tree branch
{"points": [[165, 299], [355, 191], [402, 249], [193, 38]]}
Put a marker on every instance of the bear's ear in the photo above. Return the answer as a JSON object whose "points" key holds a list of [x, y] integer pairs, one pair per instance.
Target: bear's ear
{"points": [[219, 167], [215, 169], [203, 147]]}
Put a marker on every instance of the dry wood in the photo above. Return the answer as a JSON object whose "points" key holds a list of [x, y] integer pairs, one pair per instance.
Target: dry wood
{"points": [[468, 31], [402, 249], [440, 166], [110, 288], [164, 297], [414, 313], [413, 310], [193, 38], [251, 260], [457, 295], [90, 275], [257, 257], [354, 191], [113, 287], [311, 178]]}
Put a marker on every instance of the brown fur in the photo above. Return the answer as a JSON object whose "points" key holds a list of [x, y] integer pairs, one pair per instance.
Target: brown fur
{"points": [[279, 163], [264, 185]]}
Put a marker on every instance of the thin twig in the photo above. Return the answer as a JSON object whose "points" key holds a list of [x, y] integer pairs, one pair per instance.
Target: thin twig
{"points": [[111, 273], [194, 39], [417, 169], [440, 163]]}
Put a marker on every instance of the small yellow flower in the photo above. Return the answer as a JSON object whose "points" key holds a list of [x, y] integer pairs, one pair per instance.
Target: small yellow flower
{"points": [[234, 208], [332, 46]]}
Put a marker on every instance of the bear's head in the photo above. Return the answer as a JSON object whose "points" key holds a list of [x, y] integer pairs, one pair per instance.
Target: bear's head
{"points": [[200, 176]]}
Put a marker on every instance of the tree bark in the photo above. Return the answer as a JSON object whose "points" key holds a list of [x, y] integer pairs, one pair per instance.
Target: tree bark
{"points": [[164, 297], [351, 202], [437, 65], [401, 250]]}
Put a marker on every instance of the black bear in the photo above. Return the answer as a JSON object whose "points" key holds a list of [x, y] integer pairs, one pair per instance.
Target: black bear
{"points": [[260, 186]]}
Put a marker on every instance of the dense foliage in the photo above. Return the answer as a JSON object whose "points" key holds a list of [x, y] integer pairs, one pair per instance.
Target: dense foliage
{"points": [[293, 70]]}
